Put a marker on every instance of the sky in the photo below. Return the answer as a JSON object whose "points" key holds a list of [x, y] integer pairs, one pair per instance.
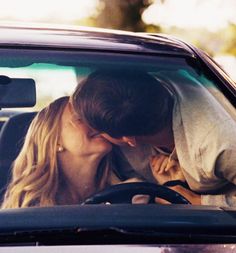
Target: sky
{"points": [[66, 11], [211, 14]]}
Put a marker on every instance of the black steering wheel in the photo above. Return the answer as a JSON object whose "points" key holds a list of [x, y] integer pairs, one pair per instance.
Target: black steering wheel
{"points": [[123, 193]]}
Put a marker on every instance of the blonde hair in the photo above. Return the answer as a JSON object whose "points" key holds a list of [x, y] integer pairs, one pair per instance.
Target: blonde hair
{"points": [[35, 175]]}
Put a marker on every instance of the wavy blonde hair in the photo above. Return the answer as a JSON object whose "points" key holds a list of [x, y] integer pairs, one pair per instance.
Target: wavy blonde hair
{"points": [[35, 173]]}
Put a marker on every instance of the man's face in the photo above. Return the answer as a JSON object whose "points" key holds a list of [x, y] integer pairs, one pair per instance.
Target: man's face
{"points": [[162, 139]]}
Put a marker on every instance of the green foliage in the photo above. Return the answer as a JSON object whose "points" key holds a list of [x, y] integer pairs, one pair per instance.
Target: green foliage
{"points": [[211, 42], [229, 36]]}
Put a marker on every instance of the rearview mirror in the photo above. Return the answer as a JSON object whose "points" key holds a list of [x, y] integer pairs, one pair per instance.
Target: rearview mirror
{"points": [[17, 92]]}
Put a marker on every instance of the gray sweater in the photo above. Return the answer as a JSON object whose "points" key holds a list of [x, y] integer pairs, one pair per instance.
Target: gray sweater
{"points": [[205, 141]]}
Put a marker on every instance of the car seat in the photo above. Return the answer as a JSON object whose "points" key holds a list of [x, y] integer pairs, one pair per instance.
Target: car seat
{"points": [[11, 140]]}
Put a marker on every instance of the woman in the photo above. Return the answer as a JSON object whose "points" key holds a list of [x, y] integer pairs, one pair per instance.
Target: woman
{"points": [[63, 161]]}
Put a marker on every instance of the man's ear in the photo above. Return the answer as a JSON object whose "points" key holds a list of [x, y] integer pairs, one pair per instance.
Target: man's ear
{"points": [[120, 141], [130, 140]]}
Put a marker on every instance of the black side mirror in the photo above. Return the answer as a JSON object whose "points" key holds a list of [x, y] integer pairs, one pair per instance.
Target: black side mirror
{"points": [[17, 92]]}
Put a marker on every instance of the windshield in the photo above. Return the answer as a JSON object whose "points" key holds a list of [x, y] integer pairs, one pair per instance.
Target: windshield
{"points": [[181, 139]]}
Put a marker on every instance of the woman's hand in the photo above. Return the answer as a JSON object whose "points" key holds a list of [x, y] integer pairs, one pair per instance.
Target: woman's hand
{"points": [[165, 169]]}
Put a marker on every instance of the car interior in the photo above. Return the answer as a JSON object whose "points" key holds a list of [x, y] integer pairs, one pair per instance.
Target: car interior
{"points": [[11, 140], [15, 92], [45, 76]]}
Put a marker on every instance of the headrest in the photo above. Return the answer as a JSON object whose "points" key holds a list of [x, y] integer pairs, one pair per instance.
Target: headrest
{"points": [[12, 137], [11, 140]]}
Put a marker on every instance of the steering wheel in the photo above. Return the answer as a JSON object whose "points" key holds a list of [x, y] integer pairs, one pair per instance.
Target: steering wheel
{"points": [[123, 193]]}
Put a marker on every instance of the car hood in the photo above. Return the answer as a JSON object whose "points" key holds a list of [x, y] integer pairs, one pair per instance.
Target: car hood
{"points": [[170, 222]]}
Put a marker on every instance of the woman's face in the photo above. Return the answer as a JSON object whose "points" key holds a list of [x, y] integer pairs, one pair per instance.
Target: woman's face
{"points": [[78, 138]]}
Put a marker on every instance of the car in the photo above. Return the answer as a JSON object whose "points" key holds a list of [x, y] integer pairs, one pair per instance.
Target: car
{"points": [[39, 63]]}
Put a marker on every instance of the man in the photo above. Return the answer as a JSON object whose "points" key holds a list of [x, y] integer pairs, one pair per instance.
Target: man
{"points": [[147, 116]]}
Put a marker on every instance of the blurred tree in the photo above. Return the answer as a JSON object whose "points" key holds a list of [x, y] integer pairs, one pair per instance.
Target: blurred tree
{"points": [[211, 42], [229, 36], [123, 15]]}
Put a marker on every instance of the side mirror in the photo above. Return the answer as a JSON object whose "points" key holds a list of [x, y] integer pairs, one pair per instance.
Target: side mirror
{"points": [[17, 92]]}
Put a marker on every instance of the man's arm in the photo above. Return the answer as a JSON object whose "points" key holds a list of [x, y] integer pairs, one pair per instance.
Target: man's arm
{"points": [[193, 198], [225, 169]]}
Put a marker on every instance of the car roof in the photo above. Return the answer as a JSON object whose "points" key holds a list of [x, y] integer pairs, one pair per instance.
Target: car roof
{"points": [[73, 37]]}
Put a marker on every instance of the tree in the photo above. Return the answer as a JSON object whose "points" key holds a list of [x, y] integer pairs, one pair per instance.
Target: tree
{"points": [[229, 36], [122, 15]]}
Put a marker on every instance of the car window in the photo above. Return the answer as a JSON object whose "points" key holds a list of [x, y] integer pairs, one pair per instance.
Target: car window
{"points": [[57, 73], [52, 81]]}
